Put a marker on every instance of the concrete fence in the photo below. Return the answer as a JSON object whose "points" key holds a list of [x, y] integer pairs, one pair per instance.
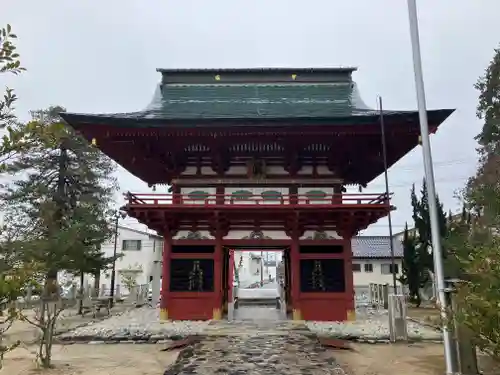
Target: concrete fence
{"points": [[90, 297]]}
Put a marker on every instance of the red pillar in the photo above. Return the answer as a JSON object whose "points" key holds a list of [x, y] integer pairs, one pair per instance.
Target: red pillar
{"points": [[349, 281], [165, 276], [217, 310], [295, 279]]}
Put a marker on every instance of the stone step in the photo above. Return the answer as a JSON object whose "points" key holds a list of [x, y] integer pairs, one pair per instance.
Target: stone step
{"points": [[258, 302]]}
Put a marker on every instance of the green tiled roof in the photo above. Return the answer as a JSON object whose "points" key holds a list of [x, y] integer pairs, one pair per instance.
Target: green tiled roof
{"points": [[251, 96], [253, 100]]}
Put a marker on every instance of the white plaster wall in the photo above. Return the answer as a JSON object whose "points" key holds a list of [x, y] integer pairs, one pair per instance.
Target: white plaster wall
{"points": [[275, 169], [363, 278], [323, 170], [237, 169], [189, 170], [305, 170]]}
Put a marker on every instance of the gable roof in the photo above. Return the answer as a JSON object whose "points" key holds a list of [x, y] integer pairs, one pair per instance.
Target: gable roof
{"points": [[149, 234], [375, 247]]}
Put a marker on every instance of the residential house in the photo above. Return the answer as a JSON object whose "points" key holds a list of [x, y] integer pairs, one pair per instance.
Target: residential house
{"points": [[250, 265], [140, 262], [372, 261]]}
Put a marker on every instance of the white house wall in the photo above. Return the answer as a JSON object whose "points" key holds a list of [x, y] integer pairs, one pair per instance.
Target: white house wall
{"points": [[362, 278], [146, 261]]}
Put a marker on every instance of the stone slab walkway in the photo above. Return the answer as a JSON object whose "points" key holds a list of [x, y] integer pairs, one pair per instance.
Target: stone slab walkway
{"points": [[256, 348]]}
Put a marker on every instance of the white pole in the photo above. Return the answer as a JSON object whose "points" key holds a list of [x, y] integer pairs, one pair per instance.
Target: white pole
{"points": [[431, 188]]}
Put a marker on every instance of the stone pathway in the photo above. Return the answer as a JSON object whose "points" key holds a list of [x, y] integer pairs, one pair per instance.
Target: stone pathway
{"points": [[257, 348], [143, 325], [258, 313]]}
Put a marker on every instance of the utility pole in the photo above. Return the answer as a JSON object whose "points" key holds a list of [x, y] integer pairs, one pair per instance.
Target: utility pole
{"points": [[261, 268], [431, 187], [387, 193], [118, 215]]}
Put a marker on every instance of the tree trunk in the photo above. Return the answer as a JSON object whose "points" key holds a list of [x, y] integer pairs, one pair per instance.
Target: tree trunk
{"points": [[80, 300], [97, 283]]}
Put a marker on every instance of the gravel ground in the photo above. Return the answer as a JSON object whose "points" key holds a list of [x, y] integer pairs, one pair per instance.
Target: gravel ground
{"points": [[137, 324], [144, 325]]}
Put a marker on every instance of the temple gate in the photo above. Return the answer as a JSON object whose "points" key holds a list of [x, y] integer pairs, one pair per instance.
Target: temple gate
{"points": [[245, 151]]}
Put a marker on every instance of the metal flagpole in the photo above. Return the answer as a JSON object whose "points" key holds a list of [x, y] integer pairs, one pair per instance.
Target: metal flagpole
{"points": [[431, 188], [384, 154]]}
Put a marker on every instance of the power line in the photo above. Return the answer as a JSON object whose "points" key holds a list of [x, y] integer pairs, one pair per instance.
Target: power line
{"points": [[442, 164], [410, 183]]}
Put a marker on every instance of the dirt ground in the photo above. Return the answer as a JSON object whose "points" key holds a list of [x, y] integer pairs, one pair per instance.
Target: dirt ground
{"points": [[130, 359], [26, 333], [397, 359], [85, 359]]}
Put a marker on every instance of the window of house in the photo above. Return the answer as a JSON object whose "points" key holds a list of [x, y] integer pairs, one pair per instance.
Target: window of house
{"points": [[131, 245], [356, 267], [368, 267], [386, 269]]}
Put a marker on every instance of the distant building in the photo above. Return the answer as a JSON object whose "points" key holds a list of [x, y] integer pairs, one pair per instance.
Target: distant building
{"points": [[141, 260], [372, 260]]}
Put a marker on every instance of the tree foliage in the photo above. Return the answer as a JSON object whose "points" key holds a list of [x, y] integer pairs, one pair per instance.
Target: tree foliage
{"points": [[418, 261], [421, 218], [62, 200], [475, 242], [9, 64], [59, 204], [412, 269]]}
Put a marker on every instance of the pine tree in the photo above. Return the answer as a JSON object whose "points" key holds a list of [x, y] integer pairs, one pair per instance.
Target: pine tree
{"points": [[61, 197]]}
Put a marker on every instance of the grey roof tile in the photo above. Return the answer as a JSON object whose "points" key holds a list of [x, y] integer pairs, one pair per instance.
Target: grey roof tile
{"points": [[375, 247]]}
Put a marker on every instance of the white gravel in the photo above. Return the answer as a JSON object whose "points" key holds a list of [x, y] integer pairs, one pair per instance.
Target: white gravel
{"points": [[145, 323], [136, 323]]}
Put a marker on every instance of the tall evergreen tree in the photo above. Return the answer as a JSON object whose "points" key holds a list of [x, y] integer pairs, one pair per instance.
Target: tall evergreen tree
{"points": [[412, 270], [61, 196], [421, 218]]}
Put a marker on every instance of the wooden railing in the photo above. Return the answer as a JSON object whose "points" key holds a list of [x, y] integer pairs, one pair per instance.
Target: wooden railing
{"points": [[229, 199]]}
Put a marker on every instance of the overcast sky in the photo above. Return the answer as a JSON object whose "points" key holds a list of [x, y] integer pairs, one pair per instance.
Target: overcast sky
{"points": [[101, 56]]}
